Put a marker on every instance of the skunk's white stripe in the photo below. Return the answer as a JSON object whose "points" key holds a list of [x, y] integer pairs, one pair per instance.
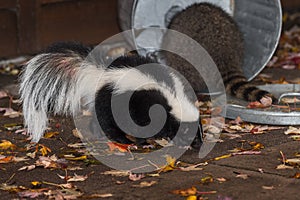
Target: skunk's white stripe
{"points": [[131, 79]]}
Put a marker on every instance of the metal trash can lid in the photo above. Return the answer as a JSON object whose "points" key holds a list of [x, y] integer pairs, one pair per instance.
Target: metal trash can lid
{"points": [[259, 20]]}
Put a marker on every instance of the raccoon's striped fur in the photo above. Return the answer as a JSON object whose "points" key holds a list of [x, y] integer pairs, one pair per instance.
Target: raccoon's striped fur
{"points": [[217, 32]]}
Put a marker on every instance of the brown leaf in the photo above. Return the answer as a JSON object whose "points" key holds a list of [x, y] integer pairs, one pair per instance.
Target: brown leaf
{"points": [[145, 184], [186, 192], [297, 175]]}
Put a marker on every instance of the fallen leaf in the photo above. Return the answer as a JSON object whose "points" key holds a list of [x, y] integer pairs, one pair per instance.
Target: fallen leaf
{"points": [[257, 146], [116, 173], [287, 100], [71, 157], [163, 142], [193, 167], [9, 112], [28, 168], [30, 194], [212, 129], [43, 149], [145, 184], [192, 197], [77, 145], [64, 194], [223, 157], [266, 101], [117, 146], [170, 164], [221, 180], [231, 136], [236, 127], [268, 187], [283, 166], [11, 188], [243, 176], [77, 133], [186, 192], [75, 178], [293, 161], [297, 175], [292, 130], [136, 177], [13, 126], [50, 134], [36, 184], [5, 144], [207, 179], [9, 159], [295, 137], [50, 162]]}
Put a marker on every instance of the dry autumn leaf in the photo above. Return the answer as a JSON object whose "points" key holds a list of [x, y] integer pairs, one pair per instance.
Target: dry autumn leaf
{"points": [[136, 177], [283, 166], [75, 178], [193, 167], [144, 184], [292, 131], [186, 192], [223, 157], [117, 173], [50, 134], [170, 166], [5, 144], [268, 187], [297, 175], [117, 146], [242, 176]]}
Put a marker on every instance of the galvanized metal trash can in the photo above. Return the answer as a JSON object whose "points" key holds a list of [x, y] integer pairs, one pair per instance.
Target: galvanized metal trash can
{"points": [[260, 22]]}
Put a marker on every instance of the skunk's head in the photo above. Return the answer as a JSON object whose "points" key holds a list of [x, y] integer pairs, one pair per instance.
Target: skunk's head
{"points": [[145, 100]]}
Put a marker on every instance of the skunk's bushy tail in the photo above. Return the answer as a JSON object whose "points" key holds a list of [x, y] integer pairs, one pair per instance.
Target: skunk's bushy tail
{"points": [[58, 81]]}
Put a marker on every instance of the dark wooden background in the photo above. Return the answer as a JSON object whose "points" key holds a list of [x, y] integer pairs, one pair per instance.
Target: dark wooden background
{"points": [[27, 26]]}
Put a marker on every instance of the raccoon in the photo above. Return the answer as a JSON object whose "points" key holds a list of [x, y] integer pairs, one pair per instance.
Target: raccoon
{"points": [[221, 37]]}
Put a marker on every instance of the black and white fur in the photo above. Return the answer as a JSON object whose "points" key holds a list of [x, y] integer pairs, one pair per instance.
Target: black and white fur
{"points": [[61, 81]]}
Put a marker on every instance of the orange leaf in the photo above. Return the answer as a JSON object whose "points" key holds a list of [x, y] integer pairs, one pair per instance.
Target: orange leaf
{"points": [[297, 175], [7, 159], [118, 146], [187, 192]]}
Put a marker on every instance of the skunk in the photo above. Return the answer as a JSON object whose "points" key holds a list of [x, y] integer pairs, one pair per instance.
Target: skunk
{"points": [[61, 80], [221, 37]]}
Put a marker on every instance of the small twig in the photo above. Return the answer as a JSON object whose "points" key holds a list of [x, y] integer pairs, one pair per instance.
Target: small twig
{"points": [[283, 157], [52, 184], [11, 177]]}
